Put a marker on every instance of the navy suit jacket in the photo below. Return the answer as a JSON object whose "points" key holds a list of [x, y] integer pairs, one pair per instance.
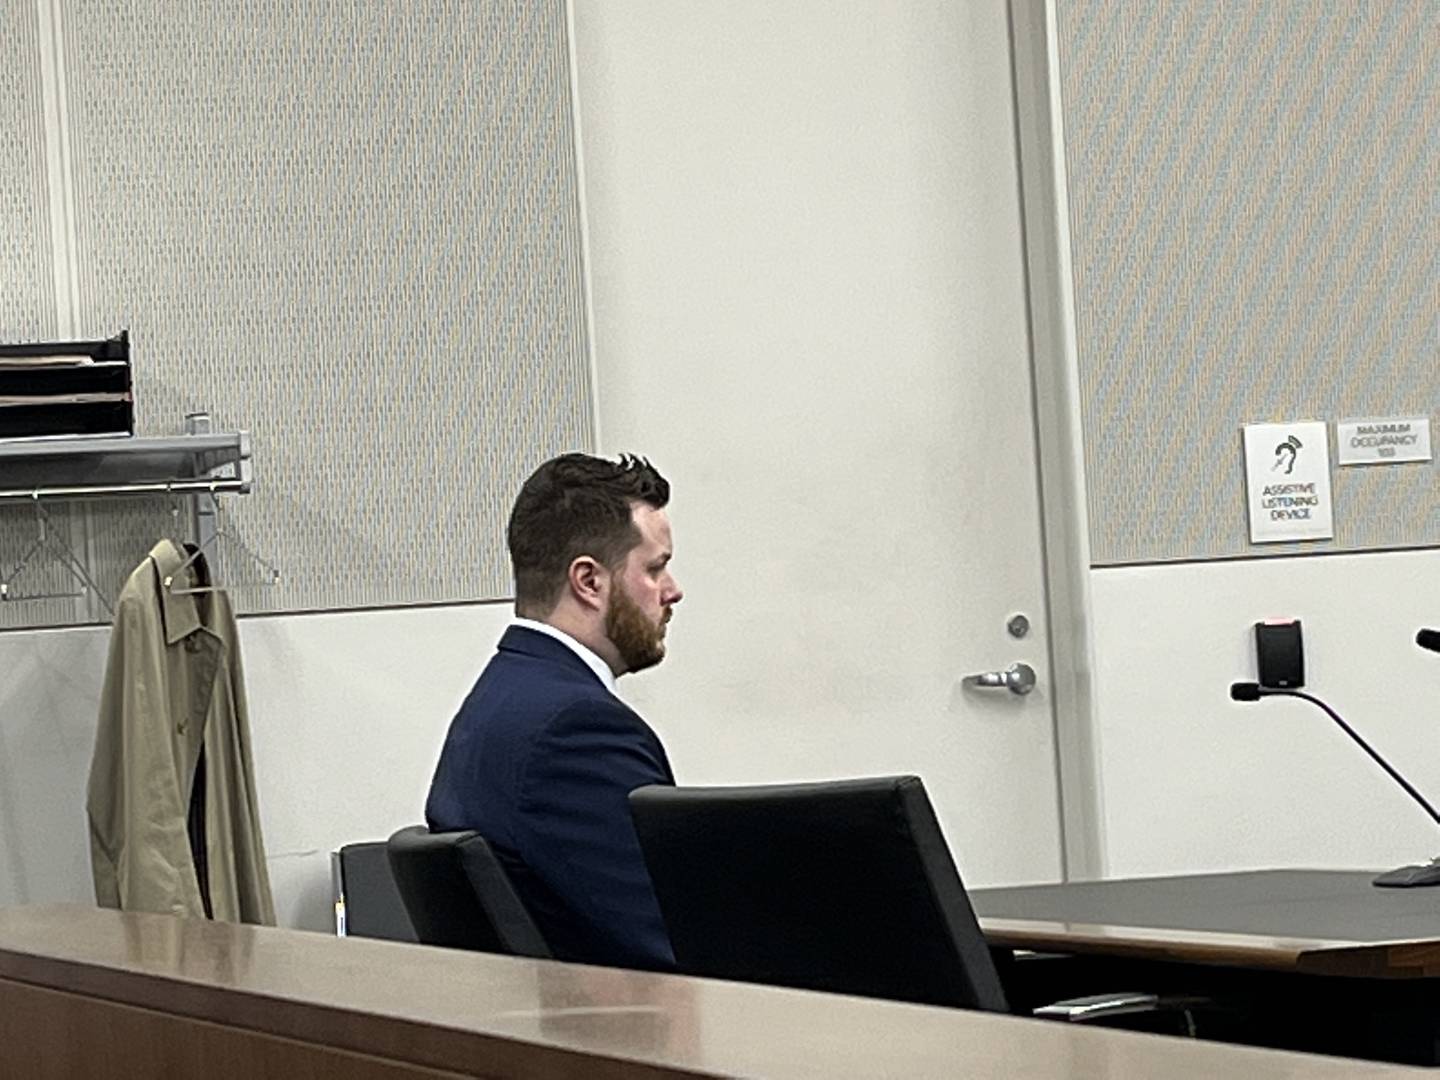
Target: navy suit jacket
{"points": [[541, 760]]}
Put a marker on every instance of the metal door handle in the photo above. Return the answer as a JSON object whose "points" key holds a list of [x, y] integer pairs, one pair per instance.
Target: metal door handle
{"points": [[1018, 679]]}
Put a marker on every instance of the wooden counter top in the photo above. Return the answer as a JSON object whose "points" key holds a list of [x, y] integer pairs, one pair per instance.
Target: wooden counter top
{"points": [[431, 1012]]}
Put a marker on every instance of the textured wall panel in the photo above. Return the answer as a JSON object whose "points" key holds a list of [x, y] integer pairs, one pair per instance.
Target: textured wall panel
{"points": [[351, 228], [27, 272], [27, 268], [1253, 192], [42, 591]]}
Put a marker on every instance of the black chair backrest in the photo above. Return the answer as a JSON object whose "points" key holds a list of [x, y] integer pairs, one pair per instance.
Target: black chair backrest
{"points": [[365, 891], [458, 895], [845, 886]]}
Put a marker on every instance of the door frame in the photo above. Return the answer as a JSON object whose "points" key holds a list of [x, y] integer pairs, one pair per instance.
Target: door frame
{"points": [[1059, 437]]}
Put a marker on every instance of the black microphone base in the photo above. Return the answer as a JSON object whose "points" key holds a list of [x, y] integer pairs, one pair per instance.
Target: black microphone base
{"points": [[1410, 877]]}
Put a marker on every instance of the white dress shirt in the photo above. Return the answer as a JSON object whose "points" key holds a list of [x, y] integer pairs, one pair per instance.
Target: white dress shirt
{"points": [[601, 669]]}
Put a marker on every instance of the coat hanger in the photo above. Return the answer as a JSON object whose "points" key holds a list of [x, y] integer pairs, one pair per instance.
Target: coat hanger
{"points": [[47, 543], [179, 533], [222, 537]]}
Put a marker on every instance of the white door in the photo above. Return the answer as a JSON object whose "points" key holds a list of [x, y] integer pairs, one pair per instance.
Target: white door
{"points": [[809, 302]]}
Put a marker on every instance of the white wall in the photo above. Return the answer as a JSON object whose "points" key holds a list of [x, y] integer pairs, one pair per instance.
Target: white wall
{"points": [[1193, 781], [49, 699], [348, 711]]}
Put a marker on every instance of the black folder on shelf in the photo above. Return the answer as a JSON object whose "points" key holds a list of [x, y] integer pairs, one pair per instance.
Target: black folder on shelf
{"points": [[66, 389]]}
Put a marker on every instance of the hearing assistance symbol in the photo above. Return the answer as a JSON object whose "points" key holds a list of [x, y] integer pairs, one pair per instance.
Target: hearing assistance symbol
{"points": [[1287, 473], [1286, 453]]}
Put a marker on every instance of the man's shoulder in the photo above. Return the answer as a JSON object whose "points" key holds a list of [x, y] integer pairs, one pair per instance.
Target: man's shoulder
{"points": [[529, 691], [558, 674], [545, 702]]}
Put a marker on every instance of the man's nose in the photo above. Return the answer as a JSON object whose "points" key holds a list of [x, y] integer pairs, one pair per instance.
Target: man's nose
{"points": [[676, 593]]}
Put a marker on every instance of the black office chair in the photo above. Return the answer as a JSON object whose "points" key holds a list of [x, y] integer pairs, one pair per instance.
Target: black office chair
{"points": [[845, 886], [459, 896], [367, 901]]}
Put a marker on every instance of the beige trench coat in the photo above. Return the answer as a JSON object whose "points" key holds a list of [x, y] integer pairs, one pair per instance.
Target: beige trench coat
{"points": [[174, 684]]}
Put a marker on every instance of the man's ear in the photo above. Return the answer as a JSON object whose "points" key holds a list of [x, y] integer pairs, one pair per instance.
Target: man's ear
{"points": [[589, 581]]}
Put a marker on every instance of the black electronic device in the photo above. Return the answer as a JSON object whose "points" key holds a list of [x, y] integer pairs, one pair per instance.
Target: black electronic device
{"points": [[1405, 876], [1428, 639], [1280, 654]]}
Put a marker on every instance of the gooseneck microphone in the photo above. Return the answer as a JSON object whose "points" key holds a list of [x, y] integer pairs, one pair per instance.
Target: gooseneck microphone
{"points": [[1428, 639], [1406, 875]]}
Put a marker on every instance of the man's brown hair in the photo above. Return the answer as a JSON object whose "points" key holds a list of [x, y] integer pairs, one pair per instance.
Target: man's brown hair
{"points": [[576, 505]]}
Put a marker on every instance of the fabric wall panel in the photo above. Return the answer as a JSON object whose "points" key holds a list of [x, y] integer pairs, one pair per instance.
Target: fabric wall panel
{"points": [[353, 229], [28, 306], [1255, 237]]}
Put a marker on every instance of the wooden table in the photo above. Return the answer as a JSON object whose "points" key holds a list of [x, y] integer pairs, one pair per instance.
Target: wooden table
{"points": [[1318, 954], [99, 994]]}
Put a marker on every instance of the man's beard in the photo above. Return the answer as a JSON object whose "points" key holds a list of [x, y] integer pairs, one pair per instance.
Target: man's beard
{"points": [[640, 643]]}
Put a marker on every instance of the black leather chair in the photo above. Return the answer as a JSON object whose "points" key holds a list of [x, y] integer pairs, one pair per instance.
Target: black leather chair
{"points": [[458, 895], [845, 886], [367, 902]]}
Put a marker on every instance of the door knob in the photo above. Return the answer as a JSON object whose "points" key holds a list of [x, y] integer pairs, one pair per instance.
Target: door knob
{"points": [[1017, 678]]}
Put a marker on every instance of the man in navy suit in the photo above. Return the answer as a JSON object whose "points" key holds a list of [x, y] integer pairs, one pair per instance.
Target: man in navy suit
{"points": [[542, 756]]}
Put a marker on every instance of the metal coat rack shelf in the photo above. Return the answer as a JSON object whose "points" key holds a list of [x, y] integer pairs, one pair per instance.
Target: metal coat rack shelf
{"points": [[200, 465], [85, 468]]}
